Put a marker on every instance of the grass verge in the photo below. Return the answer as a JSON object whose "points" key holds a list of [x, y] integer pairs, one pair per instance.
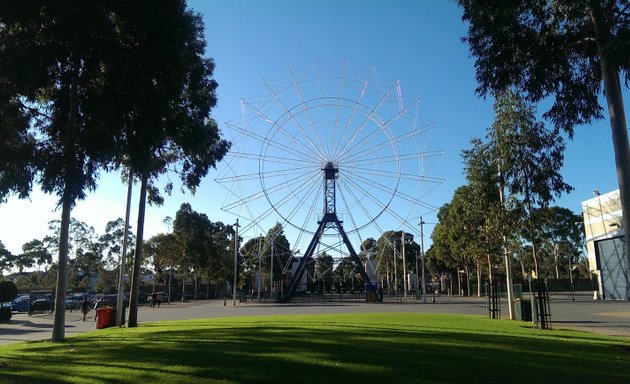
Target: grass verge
{"points": [[344, 348]]}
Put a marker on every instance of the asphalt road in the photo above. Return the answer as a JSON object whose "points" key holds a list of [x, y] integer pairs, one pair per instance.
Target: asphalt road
{"points": [[605, 317]]}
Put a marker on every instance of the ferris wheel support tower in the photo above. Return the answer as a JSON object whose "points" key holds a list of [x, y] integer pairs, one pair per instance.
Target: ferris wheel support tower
{"points": [[329, 221]]}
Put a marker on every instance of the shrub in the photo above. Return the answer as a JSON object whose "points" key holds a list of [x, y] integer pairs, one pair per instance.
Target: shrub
{"points": [[8, 291]]}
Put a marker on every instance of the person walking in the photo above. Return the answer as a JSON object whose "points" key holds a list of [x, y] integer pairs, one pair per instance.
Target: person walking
{"points": [[85, 307]]}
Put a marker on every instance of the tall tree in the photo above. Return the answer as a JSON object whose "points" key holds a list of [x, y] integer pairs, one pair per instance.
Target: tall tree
{"points": [[528, 156], [37, 251], [562, 49], [6, 259], [481, 173], [324, 264], [52, 62], [194, 231], [110, 243], [167, 84]]}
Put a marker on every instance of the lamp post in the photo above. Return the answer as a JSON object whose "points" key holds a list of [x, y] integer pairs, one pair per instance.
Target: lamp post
{"points": [[235, 261]]}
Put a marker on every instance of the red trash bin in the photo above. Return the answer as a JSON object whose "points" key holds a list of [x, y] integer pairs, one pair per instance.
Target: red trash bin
{"points": [[105, 317]]}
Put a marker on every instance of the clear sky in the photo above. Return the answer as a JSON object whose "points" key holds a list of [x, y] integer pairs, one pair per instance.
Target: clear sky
{"points": [[416, 42]]}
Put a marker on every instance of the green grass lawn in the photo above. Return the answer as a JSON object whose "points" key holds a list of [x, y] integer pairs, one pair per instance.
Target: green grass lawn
{"points": [[346, 348]]}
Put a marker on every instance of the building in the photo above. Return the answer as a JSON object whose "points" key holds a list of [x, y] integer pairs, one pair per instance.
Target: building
{"points": [[605, 244]]}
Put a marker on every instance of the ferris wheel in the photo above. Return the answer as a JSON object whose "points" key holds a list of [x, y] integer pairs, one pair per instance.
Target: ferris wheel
{"points": [[330, 121]]}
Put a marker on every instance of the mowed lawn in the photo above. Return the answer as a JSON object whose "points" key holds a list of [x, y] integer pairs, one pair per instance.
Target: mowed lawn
{"points": [[384, 348]]}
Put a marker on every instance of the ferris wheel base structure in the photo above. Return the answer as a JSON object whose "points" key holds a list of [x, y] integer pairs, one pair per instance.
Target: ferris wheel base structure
{"points": [[330, 221]]}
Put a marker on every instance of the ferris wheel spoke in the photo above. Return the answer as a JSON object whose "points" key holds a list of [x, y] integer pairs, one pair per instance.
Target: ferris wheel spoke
{"points": [[275, 159], [356, 149], [384, 207], [263, 140], [287, 198], [395, 175], [357, 104], [370, 116], [280, 128], [312, 147], [308, 112], [398, 193], [390, 159], [259, 194], [311, 207], [362, 204]]}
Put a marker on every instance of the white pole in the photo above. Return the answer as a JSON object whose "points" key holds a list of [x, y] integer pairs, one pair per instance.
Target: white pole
{"points": [[235, 261], [271, 271], [417, 279], [120, 304], [259, 281], [395, 271], [424, 285], [402, 238]]}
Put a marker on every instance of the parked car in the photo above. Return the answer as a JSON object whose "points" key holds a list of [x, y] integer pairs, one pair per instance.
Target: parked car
{"points": [[20, 304], [43, 304]]}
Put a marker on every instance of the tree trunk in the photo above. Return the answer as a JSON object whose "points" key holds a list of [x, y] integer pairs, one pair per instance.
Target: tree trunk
{"points": [[614, 99], [490, 275], [184, 285], [59, 325], [478, 265], [58, 333], [134, 295], [467, 269], [170, 278], [531, 231], [196, 286]]}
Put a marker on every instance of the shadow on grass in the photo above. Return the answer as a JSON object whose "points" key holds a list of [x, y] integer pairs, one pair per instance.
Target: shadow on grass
{"points": [[264, 352]]}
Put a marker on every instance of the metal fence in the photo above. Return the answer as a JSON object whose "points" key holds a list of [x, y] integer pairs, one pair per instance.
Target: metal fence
{"points": [[559, 289]]}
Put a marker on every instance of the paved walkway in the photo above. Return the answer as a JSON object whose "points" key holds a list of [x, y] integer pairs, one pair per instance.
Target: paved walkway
{"points": [[605, 317]]}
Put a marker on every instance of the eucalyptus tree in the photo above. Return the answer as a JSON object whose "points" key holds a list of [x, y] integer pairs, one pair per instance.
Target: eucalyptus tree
{"points": [[565, 51], [6, 259], [37, 251], [194, 231], [248, 262], [166, 83], [441, 255], [466, 232], [221, 258], [560, 232], [276, 243], [481, 173], [110, 242], [529, 157], [324, 264], [166, 251], [53, 66]]}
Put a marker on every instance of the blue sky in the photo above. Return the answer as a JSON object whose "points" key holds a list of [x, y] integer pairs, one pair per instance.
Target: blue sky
{"points": [[415, 42]]}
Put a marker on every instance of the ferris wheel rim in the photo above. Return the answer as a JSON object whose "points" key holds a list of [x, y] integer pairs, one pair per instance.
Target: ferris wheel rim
{"points": [[304, 107]]}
